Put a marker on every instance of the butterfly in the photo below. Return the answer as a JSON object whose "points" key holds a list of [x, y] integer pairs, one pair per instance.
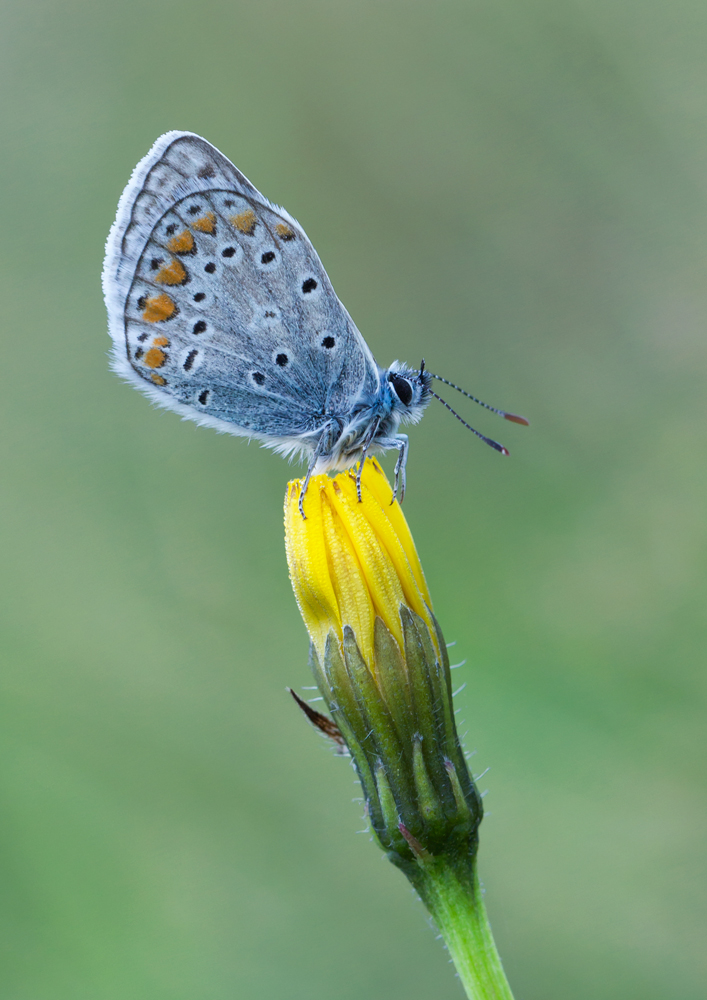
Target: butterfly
{"points": [[219, 308]]}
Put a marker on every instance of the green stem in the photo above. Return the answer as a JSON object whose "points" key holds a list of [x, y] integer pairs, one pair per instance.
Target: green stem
{"points": [[453, 896]]}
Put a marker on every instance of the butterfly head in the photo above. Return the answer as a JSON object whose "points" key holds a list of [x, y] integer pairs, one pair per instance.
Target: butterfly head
{"points": [[409, 390]]}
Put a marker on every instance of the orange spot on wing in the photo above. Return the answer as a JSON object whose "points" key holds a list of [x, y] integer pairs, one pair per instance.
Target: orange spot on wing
{"points": [[206, 224], [155, 358], [246, 221], [157, 379], [184, 243], [284, 232], [158, 308], [172, 274], [160, 342]]}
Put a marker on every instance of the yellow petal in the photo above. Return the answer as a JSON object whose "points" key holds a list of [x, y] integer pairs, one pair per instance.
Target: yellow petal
{"points": [[379, 519], [379, 574], [353, 598], [374, 479], [308, 563]]}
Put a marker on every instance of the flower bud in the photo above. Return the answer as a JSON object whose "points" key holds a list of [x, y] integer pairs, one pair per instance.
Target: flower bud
{"points": [[381, 664]]}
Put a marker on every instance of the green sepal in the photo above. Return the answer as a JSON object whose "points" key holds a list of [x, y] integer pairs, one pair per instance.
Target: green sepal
{"points": [[342, 698], [427, 798], [383, 740], [453, 750], [467, 815], [399, 727], [421, 659], [393, 841], [342, 705], [392, 679]]}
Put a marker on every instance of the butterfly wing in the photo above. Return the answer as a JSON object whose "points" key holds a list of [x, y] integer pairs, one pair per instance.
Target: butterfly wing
{"points": [[219, 307]]}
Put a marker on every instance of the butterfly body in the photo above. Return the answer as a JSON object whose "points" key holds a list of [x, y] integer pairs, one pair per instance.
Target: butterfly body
{"points": [[220, 309]]}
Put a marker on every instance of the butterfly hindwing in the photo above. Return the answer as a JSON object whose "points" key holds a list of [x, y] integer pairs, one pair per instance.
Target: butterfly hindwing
{"points": [[220, 308]]}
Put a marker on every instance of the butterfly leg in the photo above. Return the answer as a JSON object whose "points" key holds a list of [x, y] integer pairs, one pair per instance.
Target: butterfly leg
{"points": [[310, 470], [366, 444], [401, 443]]}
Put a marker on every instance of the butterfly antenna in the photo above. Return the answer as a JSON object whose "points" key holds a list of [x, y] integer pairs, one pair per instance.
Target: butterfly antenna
{"points": [[488, 441], [513, 417]]}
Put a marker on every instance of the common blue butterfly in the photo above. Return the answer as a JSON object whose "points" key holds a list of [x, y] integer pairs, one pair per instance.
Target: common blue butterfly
{"points": [[219, 308]]}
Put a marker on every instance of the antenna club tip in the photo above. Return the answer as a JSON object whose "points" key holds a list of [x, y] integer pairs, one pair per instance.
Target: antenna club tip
{"points": [[505, 451], [516, 419]]}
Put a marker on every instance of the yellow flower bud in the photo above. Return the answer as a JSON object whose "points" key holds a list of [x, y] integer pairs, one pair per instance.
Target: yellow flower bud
{"points": [[352, 562]]}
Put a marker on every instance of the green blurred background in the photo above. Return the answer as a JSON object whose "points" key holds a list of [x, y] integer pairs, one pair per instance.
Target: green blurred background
{"points": [[515, 190]]}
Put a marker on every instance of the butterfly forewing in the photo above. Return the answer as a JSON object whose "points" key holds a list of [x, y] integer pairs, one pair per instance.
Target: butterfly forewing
{"points": [[219, 305]]}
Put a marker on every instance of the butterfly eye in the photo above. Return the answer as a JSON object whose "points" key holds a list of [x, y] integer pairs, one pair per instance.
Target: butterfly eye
{"points": [[403, 388]]}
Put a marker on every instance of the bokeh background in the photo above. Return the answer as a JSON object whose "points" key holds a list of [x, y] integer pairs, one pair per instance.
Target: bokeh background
{"points": [[515, 190]]}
